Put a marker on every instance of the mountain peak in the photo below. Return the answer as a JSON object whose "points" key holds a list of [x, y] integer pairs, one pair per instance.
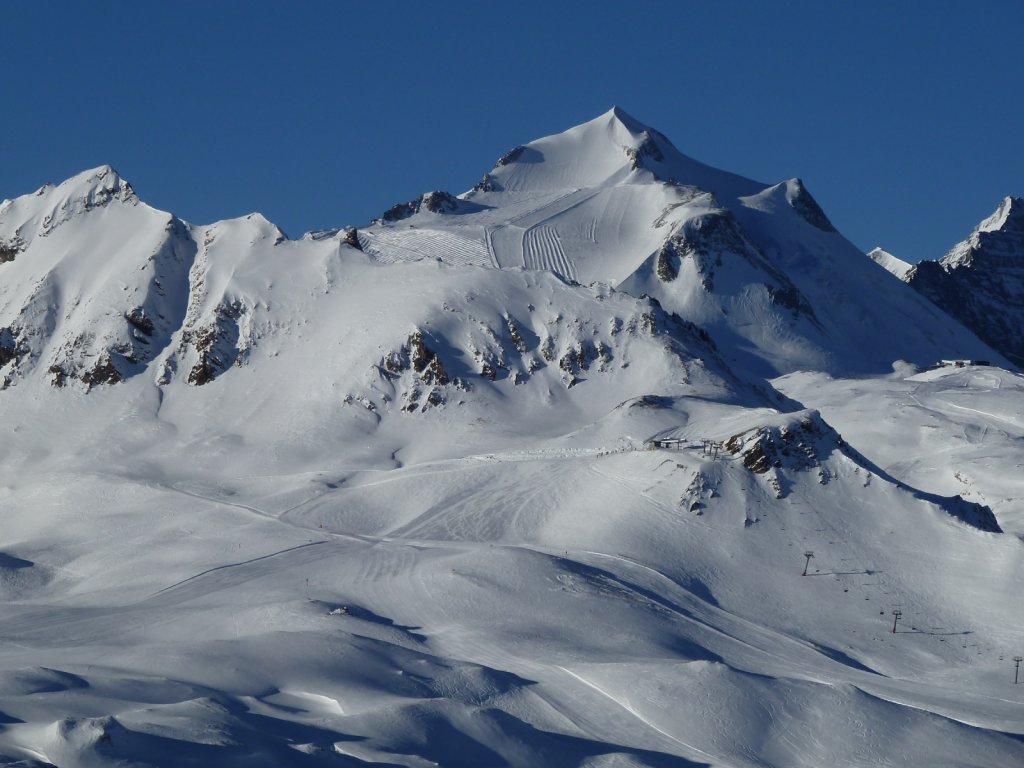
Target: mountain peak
{"points": [[630, 123], [978, 280], [94, 188], [102, 183], [1000, 235], [50, 206], [1008, 217], [610, 149]]}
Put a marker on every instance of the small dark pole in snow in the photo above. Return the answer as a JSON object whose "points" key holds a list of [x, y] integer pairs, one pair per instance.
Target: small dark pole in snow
{"points": [[808, 554], [1016, 669], [895, 617]]}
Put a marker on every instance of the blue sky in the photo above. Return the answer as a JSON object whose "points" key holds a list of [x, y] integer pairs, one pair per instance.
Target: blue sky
{"points": [[904, 119]]}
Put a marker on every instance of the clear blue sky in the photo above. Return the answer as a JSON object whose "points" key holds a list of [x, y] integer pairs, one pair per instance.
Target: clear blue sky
{"points": [[904, 118]]}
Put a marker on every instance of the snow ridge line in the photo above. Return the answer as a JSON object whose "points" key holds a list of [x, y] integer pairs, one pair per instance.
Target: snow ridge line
{"points": [[638, 716]]}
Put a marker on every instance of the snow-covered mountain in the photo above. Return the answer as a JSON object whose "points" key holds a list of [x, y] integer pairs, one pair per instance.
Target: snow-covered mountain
{"points": [[94, 281], [98, 287], [760, 267], [524, 476], [981, 280]]}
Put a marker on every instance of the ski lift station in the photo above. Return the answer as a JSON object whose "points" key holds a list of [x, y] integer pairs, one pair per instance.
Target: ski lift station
{"points": [[675, 443]]}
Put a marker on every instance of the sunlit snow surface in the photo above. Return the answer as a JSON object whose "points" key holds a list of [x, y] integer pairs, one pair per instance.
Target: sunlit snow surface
{"points": [[307, 561]]}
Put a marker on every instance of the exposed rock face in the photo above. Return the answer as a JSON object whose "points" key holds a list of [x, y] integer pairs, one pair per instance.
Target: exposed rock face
{"points": [[422, 372], [667, 267], [141, 322], [435, 202], [216, 344], [9, 249], [440, 202], [980, 281], [486, 184], [103, 372], [799, 445], [8, 346], [429, 368], [510, 157], [647, 148], [350, 236]]}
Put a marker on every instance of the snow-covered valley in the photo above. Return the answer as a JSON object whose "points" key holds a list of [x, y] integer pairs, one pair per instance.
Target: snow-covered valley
{"points": [[387, 495]]}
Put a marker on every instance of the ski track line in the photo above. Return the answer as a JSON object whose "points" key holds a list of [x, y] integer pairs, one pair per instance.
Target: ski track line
{"points": [[543, 206], [489, 244], [640, 717], [589, 193], [288, 522], [543, 248], [1015, 424], [222, 502], [234, 565]]}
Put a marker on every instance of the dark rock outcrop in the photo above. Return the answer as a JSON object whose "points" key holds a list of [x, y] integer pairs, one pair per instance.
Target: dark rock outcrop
{"points": [[980, 281], [435, 202]]}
